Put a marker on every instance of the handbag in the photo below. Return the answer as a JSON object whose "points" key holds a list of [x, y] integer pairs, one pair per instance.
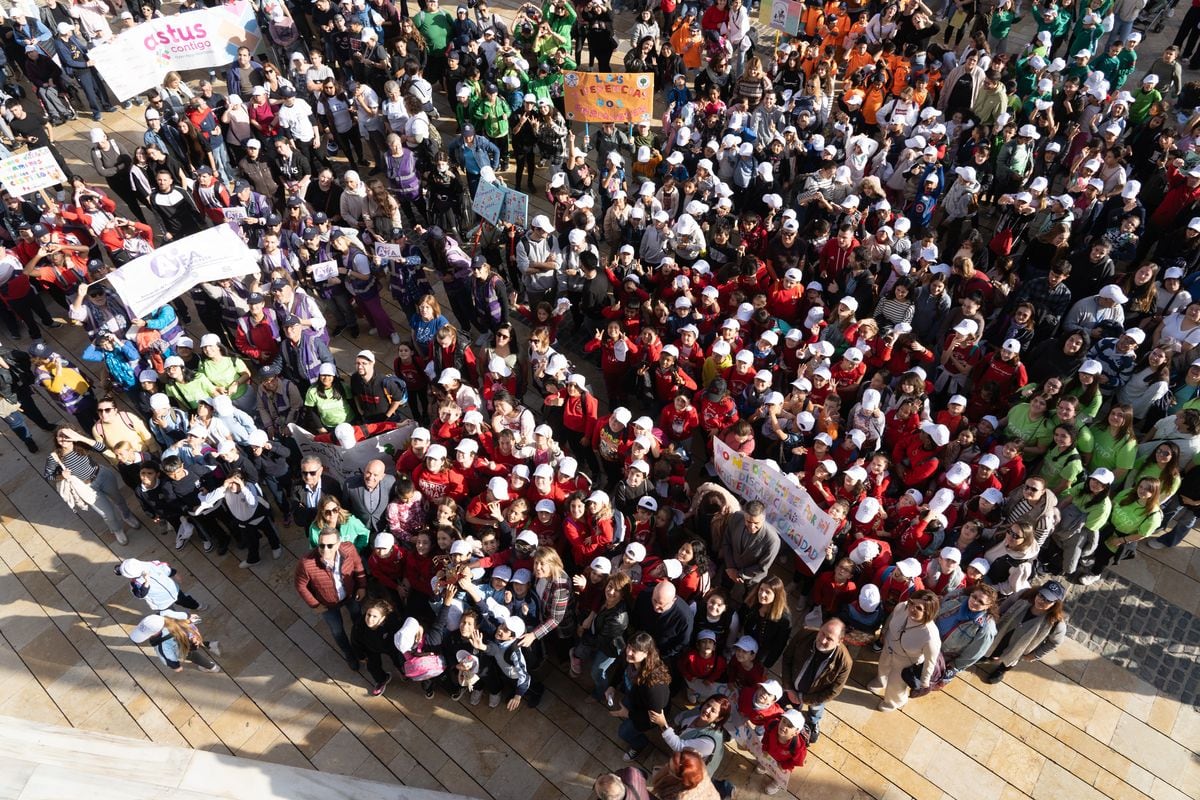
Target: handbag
{"points": [[74, 492], [423, 666]]}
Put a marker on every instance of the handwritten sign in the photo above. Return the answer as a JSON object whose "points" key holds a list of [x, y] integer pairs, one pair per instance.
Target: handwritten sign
{"points": [[388, 250], [800, 521], [609, 96], [489, 201], [27, 172], [516, 208], [323, 271]]}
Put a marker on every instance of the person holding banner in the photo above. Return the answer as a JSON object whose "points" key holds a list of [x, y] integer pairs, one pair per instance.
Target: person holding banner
{"points": [[72, 54]]}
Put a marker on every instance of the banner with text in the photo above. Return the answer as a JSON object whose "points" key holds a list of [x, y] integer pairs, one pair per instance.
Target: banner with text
{"points": [[137, 59], [797, 517], [27, 172], [157, 278], [609, 96], [346, 462]]}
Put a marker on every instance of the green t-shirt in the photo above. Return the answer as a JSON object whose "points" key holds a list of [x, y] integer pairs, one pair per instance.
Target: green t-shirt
{"points": [[1033, 432], [436, 28], [333, 409], [1106, 451], [1061, 468], [224, 372], [1096, 514]]}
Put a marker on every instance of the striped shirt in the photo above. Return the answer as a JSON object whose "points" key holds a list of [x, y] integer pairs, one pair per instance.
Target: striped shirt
{"points": [[81, 466]]}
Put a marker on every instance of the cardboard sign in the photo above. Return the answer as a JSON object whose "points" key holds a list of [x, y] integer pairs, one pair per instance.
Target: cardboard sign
{"points": [[516, 208], [489, 201], [609, 96], [27, 172]]}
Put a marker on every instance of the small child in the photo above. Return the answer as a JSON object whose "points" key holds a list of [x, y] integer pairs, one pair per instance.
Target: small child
{"points": [[519, 600], [703, 668], [744, 668], [498, 584], [782, 748], [153, 581], [755, 706]]}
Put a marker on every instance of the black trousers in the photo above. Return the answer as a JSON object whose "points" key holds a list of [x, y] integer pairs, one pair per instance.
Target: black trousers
{"points": [[248, 534]]}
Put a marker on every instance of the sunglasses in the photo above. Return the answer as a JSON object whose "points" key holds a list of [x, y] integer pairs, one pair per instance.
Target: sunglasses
{"points": [[328, 546], [309, 472]]}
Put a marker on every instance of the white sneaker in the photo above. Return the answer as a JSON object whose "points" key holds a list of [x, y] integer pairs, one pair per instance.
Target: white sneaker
{"points": [[1157, 544], [245, 565], [1089, 579], [774, 788], [214, 647], [476, 696], [121, 537], [395, 338], [277, 552], [493, 700]]}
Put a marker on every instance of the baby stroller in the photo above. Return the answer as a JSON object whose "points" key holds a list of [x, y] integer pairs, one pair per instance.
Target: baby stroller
{"points": [[1155, 15]]}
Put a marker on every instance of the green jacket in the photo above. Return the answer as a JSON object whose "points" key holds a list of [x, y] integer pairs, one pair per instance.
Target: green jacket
{"points": [[492, 117], [1127, 63], [1108, 66], [1002, 22], [352, 530], [1139, 111]]}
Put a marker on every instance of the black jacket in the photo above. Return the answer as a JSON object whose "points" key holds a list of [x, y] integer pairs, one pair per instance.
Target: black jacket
{"points": [[301, 513], [672, 629], [607, 631]]}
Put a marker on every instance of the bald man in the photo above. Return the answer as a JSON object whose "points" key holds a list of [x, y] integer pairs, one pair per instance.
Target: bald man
{"points": [[663, 615], [816, 666], [628, 784], [367, 495]]}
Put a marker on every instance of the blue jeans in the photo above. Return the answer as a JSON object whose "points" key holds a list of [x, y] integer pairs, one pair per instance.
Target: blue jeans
{"points": [[632, 736], [814, 714], [600, 665], [17, 423], [1121, 30], [337, 626], [1182, 522]]}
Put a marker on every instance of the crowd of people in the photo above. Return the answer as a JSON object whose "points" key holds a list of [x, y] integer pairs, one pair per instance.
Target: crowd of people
{"points": [[945, 288]]}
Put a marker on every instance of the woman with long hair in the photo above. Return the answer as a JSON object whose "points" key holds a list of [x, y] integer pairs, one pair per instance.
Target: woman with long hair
{"points": [[910, 638], [1012, 559], [552, 588], [602, 632], [765, 616], [175, 639], [1032, 625], [331, 514], [81, 482], [1136, 514], [645, 683]]}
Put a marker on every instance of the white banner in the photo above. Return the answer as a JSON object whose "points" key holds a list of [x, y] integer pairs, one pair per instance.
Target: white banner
{"points": [[137, 59], [797, 517], [157, 278], [345, 462], [27, 172]]}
